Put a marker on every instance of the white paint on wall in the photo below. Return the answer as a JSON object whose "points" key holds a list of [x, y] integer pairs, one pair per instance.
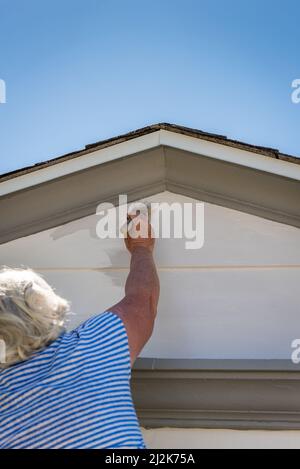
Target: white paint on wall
{"points": [[179, 438], [232, 239], [237, 297], [205, 314]]}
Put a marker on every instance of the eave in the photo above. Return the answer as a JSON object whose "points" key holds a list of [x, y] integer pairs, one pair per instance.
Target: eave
{"points": [[210, 168]]}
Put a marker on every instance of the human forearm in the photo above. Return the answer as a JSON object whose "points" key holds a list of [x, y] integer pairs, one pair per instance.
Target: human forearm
{"points": [[139, 306], [143, 282]]}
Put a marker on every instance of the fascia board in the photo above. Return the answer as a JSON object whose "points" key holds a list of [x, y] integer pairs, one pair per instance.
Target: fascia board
{"points": [[80, 163], [162, 137], [229, 154]]}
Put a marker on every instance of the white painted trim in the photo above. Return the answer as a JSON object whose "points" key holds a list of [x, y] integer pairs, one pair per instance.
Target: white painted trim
{"points": [[230, 154], [147, 142], [80, 163]]}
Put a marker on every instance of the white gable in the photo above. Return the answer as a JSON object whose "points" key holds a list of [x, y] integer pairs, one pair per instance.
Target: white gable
{"points": [[237, 297]]}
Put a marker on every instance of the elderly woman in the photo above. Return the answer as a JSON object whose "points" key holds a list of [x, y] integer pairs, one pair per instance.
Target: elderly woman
{"points": [[70, 390]]}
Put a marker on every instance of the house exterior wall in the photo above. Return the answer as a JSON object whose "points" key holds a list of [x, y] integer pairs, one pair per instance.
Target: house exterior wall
{"points": [[180, 438], [236, 298]]}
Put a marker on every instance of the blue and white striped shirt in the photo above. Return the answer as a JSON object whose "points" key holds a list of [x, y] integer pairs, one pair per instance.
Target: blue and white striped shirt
{"points": [[73, 394]]}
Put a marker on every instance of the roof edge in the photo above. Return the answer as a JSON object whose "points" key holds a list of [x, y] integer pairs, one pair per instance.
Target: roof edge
{"points": [[196, 133]]}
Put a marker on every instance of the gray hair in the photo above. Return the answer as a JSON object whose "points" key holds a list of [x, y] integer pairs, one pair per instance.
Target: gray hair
{"points": [[32, 315]]}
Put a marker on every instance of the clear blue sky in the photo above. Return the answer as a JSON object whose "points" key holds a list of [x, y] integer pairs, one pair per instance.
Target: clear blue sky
{"points": [[78, 71]]}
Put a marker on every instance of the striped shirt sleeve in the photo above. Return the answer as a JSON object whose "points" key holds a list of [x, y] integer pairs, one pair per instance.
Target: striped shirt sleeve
{"points": [[104, 340]]}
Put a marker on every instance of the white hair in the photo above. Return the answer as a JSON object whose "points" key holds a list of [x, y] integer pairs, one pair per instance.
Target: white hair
{"points": [[32, 315]]}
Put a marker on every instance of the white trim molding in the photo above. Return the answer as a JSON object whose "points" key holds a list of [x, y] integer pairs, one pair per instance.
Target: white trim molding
{"points": [[80, 163], [94, 155], [229, 154]]}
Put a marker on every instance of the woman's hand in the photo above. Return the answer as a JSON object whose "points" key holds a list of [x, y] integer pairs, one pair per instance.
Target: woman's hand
{"points": [[139, 234]]}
